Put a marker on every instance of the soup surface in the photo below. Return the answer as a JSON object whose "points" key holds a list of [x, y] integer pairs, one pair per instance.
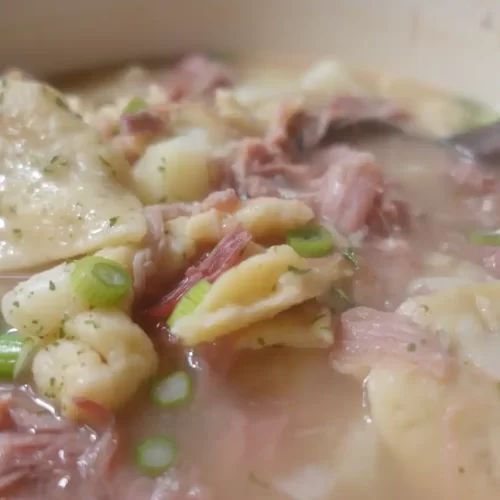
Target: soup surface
{"points": [[236, 280]]}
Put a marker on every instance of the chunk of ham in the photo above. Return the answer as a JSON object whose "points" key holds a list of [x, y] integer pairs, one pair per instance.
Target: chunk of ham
{"points": [[40, 452], [343, 185], [345, 195], [225, 255], [197, 76], [258, 164], [371, 338]]}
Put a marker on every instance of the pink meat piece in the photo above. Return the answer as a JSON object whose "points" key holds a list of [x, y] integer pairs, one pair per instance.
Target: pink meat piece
{"points": [[39, 450], [197, 76], [226, 201], [142, 122], [261, 170], [342, 184], [473, 179], [225, 255], [345, 195], [374, 338], [388, 216]]}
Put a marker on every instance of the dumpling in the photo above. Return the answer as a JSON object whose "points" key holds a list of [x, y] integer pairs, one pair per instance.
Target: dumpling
{"points": [[467, 319], [103, 357], [61, 191], [263, 217], [40, 306], [446, 434], [272, 217], [258, 288], [307, 326]]}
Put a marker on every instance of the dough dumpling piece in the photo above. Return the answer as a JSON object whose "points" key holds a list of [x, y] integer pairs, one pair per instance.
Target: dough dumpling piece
{"points": [[272, 217], [103, 357], [62, 191], [265, 218], [445, 436], [40, 306], [467, 319], [258, 288], [306, 326]]}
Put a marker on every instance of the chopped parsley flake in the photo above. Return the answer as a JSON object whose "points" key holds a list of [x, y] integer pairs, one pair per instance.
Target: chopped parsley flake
{"points": [[15, 303], [17, 232], [61, 103], [105, 162], [52, 286], [259, 482], [411, 347], [113, 221], [92, 323], [55, 163]]}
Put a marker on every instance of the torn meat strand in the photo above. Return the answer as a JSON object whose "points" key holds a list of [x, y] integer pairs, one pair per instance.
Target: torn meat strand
{"points": [[371, 338], [40, 449], [225, 255]]}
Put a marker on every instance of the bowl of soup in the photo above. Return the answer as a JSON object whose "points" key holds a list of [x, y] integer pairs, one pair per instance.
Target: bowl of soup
{"points": [[249, 251]]}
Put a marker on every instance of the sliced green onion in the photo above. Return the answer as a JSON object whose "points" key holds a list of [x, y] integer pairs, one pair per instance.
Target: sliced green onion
{"points": [[173, 390], [15, 351], [310, 241], [189, 302], [100, 282], [135, 105], [155, 455], [486, 237]]}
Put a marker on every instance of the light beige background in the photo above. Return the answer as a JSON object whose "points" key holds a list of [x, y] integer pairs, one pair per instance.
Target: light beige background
{"points": [[454, 43]]}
